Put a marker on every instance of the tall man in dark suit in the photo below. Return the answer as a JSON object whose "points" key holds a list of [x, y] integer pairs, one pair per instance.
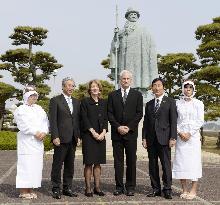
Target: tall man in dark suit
{"points": [[125, 110], [159, 135], [64, 112]]}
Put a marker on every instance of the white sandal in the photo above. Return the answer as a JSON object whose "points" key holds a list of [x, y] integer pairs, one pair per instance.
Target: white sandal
{"points": [[184, 195], [190, 196], [34, 195], [26, 196]]}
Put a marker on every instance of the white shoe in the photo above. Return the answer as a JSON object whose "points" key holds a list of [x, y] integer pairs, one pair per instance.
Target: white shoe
{"points": [[184, 195], [34, 195], [190, 196], [26, 196]]}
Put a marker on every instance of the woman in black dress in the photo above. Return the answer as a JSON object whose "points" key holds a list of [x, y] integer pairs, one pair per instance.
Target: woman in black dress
{"points": [[94, 127]]}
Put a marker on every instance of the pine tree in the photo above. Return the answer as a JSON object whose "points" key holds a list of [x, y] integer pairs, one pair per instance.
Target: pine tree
{"points": [[175, 67], [25, 65], [208, 77]]}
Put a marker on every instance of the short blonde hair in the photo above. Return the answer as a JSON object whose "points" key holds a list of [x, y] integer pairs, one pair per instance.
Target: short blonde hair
{"points": [[97, 82]]}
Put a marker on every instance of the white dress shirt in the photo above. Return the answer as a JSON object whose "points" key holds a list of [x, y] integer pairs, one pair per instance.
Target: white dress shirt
{"points": [[69, 102], [160, 100], [127, 91]]}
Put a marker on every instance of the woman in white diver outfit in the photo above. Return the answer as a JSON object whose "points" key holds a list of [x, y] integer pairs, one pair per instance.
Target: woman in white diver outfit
{"points": [[32, 123], [187, 163]]}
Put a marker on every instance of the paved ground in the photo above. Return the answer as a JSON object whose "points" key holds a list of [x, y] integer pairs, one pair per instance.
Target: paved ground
{"points": [[209, 189]]}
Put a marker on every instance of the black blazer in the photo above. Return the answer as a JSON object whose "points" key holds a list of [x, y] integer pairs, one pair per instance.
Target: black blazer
{"points": [[128, 114], [63, 124], [93, 115], [163, 123]]}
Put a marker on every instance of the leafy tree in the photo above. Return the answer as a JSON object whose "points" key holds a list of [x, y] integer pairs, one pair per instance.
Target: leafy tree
{"points": [[44, 103], [105, 63], [209, 49], [82, 91], [6, 91], [26, 66], [174, 67], [106, 88], [208, 77]]}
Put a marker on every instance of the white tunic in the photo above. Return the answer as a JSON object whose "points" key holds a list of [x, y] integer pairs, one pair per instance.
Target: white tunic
{"points": [[187, 160], [30, 119]]}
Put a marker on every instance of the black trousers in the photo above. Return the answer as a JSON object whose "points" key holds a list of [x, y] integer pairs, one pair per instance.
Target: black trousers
{"points": [[130, 148], [163, 152], [63, 154]]}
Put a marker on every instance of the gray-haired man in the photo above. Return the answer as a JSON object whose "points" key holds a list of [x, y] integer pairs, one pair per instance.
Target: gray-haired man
{"points": [[125, 110], [64, 112]]}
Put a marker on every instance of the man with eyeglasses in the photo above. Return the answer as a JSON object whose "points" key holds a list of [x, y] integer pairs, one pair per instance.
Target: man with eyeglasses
{"points": [[64, 112]]}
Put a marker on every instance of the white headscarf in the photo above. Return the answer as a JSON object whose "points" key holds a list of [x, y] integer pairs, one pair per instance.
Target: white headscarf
{"points": [[28, 94], [189, 82]]}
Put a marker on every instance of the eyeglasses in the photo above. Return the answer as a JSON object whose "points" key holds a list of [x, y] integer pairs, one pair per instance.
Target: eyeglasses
{"points": [[188, 86]]}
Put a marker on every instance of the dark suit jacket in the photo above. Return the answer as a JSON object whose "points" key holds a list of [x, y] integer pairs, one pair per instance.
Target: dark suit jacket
{"points": [[63, 124], [128, 114], [163, 123], [93, 116]]}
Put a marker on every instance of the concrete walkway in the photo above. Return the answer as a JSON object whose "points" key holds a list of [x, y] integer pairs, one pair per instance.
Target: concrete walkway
{"points": [[209, 191], [209, 185]]}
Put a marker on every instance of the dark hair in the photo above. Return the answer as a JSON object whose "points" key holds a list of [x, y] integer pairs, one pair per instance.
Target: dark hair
{"points": [[158, 79], [190, 85]]}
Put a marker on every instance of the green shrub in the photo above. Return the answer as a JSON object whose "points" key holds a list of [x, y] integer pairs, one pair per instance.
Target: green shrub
{"points": [[8, 141], [47, 143]]}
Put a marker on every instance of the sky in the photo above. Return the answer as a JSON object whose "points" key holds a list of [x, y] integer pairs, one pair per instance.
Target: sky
{"points": [[80, 32]]}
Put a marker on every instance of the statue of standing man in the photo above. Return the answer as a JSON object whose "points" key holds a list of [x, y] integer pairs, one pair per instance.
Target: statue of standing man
{"points": [[136, 52]]}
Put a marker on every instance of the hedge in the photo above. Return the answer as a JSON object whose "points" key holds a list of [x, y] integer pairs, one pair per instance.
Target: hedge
{"points": [[8, 141]]}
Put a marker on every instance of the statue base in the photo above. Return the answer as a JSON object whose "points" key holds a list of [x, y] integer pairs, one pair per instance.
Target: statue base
{"points": [[147, 94]]}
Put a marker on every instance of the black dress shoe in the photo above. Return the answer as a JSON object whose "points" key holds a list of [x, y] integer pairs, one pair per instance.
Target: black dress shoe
{"points": [[154, 194], [69, 192], [99, 193], [88, 194], [167, 195], [130, 193], [56, 194], [118, 192]]}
